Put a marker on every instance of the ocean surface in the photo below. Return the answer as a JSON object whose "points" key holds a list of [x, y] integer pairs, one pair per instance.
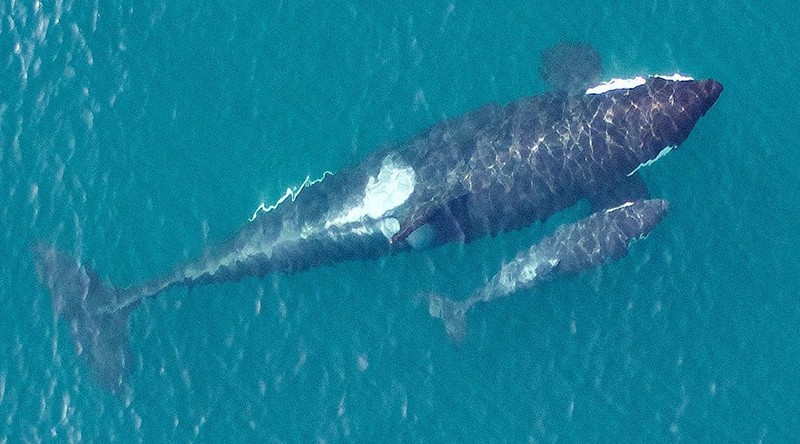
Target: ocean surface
{"points": [[134, 134]]}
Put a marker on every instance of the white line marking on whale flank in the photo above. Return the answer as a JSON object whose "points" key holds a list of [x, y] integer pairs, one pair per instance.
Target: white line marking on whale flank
{"points": [[290, 193]]}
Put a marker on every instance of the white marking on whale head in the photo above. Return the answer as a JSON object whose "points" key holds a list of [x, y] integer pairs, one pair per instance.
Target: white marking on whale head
{"points": [[625, 205], [675, 77], [391, 188], [661, 154], [615, 84]]}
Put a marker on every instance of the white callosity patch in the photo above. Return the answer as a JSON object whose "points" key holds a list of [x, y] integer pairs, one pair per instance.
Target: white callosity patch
{"points": [[391, 188], [615, 84], [661, 154]]}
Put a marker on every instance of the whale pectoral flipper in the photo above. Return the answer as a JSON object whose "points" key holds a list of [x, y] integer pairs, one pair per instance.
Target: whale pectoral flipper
{"points": [[627, 189], [406, 228], [79, 296], [419, 217]]}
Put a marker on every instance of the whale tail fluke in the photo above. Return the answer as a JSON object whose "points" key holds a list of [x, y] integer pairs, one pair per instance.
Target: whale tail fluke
{"points": [[452, 313], [79, 297]]}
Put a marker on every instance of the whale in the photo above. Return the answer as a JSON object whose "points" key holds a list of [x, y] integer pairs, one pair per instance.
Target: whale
{"points": [[603, 236], [491, 170]]}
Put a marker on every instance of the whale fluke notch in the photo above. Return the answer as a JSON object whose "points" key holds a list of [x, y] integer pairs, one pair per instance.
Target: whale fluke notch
{"points": [[79, 294], [424, 214], [571, 67]]}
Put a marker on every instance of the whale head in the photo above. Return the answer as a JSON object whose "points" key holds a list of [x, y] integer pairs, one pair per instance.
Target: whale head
{"points": [[677, 104], [672, 106], [649, 117]]}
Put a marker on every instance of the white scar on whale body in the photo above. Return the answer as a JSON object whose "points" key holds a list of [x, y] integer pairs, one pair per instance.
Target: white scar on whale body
{"points": [[290, 193]]}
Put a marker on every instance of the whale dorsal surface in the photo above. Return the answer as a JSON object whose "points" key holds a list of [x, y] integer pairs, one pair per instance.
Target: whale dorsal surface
{"points": [[572, 68]]}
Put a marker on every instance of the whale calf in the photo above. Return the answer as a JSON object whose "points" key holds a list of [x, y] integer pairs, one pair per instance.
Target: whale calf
{"points": [[603, 236], [491, 170]]}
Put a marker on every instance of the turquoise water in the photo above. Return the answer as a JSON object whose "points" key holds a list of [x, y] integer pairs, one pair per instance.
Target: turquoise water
{"points": [[134, 134]]}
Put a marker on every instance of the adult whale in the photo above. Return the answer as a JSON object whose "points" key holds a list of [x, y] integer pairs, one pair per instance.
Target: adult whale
{"points": [[494, 169]]}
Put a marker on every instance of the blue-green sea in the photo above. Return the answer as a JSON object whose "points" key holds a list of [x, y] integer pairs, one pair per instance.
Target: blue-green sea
{"points": [[134, 134]]}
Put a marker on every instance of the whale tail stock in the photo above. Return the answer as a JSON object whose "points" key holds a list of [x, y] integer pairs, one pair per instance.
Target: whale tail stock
{"points": [[79, 296], [452, 313]]}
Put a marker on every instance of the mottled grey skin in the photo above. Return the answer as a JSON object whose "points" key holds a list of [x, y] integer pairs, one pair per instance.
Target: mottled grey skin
{"points": [[494, 169], [603, 236]]}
